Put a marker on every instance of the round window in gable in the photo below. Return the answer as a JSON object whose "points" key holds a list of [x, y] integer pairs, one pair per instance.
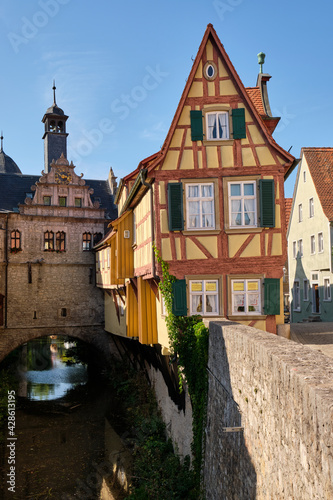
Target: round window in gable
{"points": [[210, 70]]}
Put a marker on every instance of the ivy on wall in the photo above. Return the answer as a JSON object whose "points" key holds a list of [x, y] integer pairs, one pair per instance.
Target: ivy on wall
{"points": [[188, 338]]}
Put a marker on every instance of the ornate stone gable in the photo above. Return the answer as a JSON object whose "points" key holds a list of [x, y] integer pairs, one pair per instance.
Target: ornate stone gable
{"points": [[61, 192]]}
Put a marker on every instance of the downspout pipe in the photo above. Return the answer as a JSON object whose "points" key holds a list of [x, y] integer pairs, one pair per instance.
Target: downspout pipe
{"points": [[143, 175]]}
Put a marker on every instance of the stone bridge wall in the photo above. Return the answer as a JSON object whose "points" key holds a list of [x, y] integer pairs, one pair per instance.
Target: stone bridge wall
{"points": [[281, 394], [11, 338]]}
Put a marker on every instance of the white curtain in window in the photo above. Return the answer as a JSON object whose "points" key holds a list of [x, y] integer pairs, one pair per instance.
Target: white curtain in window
{"points": [[236, 213], [207, 214], [196, 304], [249, 212], [211, 303], [223, 126], [212, 126], [193, 191], [194, 213], [207, 191]]}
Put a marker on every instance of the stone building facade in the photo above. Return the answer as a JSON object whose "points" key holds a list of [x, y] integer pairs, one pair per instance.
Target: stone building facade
{"points": [[48, 225]]}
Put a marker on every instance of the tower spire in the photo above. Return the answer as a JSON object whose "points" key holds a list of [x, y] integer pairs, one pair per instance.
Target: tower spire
{"points": [[54, 93]]}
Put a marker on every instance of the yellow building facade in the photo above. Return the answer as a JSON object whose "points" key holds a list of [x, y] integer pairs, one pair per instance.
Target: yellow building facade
{"points": [[212, 201]]}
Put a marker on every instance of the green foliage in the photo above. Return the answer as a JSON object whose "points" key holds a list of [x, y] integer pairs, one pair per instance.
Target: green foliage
{"points": [[157, 472], [189, 344]]}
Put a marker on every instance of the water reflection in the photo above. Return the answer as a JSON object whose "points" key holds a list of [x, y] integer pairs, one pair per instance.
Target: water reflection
{"points": [[49, 367]]}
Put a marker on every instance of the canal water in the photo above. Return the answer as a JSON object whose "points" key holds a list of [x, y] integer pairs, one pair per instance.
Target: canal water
{"points": [[68, 426]]}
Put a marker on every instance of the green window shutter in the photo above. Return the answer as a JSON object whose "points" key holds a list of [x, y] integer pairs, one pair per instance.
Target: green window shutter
{"points": [[175, 206], [179, 306], [272, 296], [267, 202], [196, 125], [238, 123]]}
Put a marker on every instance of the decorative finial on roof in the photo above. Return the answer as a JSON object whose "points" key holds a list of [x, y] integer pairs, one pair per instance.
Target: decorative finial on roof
{"points": [[54, 96], [1, 148], [261, 59]]}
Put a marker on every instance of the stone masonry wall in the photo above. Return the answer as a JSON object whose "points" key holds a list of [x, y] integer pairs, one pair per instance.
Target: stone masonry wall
{"points": [[281, 394]]}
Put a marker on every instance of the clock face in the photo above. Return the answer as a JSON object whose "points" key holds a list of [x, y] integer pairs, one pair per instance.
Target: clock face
{"points": [[63, 177]]}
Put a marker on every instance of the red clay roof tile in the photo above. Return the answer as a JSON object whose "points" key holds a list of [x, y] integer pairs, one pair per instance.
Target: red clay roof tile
{"points": [[320, 162]]}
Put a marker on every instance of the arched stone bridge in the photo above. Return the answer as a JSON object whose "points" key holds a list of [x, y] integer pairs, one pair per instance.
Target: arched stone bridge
{"points": [[11, 338]]}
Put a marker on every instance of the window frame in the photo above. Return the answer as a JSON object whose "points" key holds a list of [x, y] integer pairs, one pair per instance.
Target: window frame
{"points": [[300, 247], [217, 112], [311, 208], [86, 241], [48, 241], [62, 198], [49, 198], [312, 244], [320, 242], [204, 293], [298, 308], [243, 197], [306, 290], [15, 237], [79, 200], [247, 293], [327, 295], [300, 212], [200, 200], [60, 241], [294, 249]]}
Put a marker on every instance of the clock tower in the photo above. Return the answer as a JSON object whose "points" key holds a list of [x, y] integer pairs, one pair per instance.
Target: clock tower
{"points": [[55, 136]]}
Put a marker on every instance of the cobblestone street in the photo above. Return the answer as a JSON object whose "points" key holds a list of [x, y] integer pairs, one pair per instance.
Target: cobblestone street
{"points": [[315, 335]]}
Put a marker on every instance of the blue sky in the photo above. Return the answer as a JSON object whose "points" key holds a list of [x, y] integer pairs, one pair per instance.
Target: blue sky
{"points": [[120, 69]]}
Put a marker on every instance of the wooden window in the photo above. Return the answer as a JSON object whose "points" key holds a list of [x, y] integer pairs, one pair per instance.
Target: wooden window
{"points": [[48, 240], [294, 249], [320, 242], [15, 240], [60, 241], [313, 244], [86, 242], [311, 207], [300, 248], [217, 126], [175, 206], [204, 297], [242, 204], [62, 201], [306, 286], [47, 200], [296, 296], [200, 210], [327, 289], [245, 296], [300, 213], [78, 202]]}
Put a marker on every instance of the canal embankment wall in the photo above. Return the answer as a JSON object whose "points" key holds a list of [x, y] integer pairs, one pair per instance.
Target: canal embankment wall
{"points": [[270, 417]]}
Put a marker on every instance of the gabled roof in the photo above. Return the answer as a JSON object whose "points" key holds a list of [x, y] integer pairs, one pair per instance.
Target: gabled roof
{"points": [[288, 205], [320, 163]]}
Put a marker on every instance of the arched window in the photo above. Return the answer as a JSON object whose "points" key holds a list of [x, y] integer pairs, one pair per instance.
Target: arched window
{"points": [[97, 237], [48, 240], [52, 126], [60, 241], [60, 127], [15, 240], [86, 242]]}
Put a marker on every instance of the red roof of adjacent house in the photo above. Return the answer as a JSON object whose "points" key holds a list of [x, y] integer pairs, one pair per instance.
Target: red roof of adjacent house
{"points": [[288, 204], [320, 163]]}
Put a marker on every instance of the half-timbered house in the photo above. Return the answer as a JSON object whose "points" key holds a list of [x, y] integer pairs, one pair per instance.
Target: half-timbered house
{"points": [[212, 200]]}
